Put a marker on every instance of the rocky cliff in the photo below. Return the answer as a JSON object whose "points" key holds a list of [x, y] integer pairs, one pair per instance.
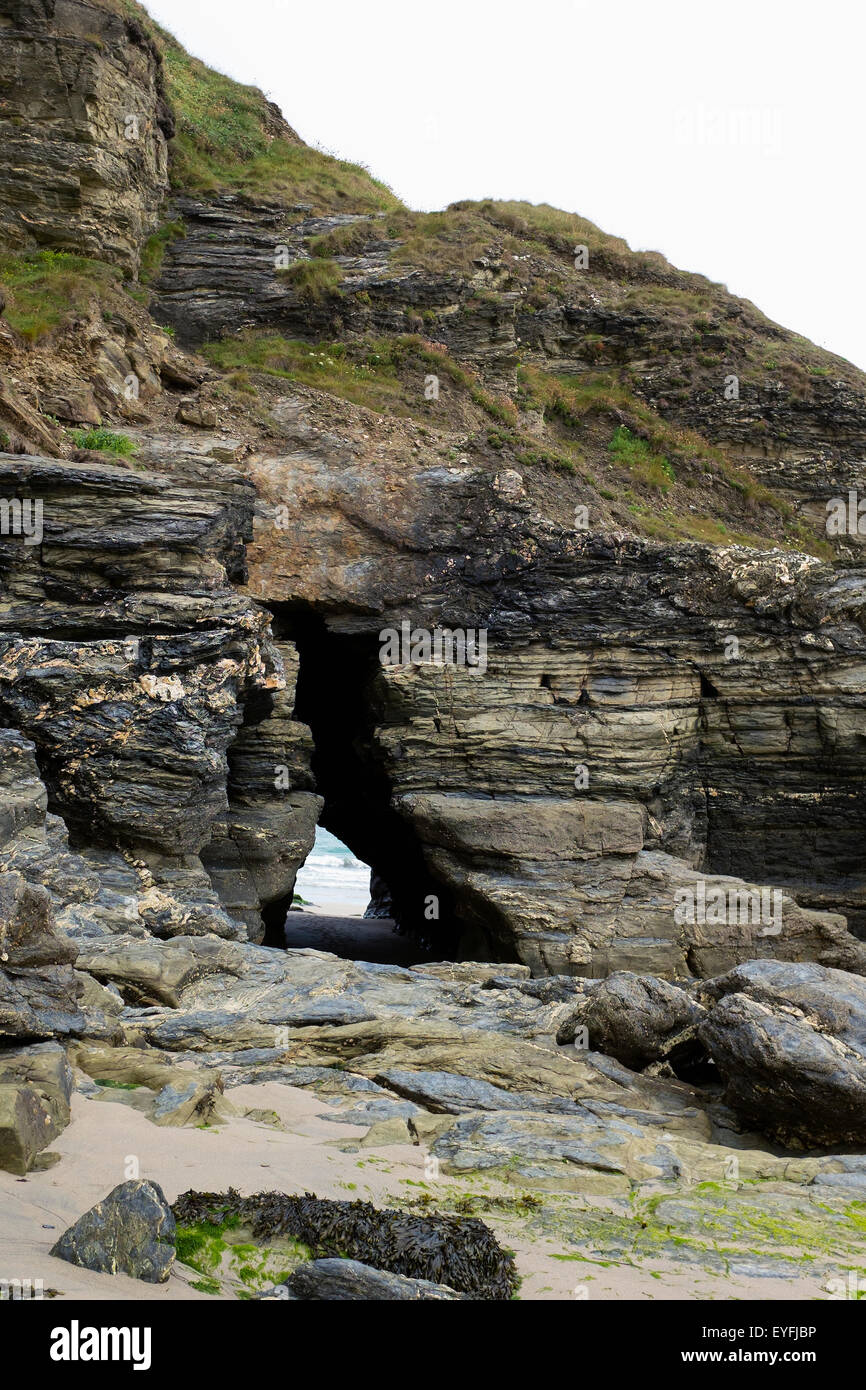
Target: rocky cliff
{"points": [[254, 414], [496, 418]]}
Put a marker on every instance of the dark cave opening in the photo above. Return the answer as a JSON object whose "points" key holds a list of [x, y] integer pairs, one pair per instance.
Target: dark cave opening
{"points": [[708, 690], [333, 698]]}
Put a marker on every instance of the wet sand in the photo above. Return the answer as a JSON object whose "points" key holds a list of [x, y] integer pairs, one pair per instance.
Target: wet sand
{"points": [[370, 939]]}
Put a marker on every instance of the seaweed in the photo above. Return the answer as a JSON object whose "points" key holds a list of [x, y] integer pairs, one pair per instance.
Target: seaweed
{"points": [[461, 1252]]}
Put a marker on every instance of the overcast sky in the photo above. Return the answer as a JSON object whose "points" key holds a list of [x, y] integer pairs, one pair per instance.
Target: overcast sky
{"points": [[728, 136]]}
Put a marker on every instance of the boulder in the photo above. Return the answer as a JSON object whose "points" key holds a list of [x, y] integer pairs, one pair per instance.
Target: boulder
{"points": [[637, 1018], [138, 1066], [132, 1231], [190, 1102], [790, 1042], [45, 1067]]}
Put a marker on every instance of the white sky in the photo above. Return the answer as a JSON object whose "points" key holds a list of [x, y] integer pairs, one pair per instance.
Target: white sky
{"points": [[728, 135]]}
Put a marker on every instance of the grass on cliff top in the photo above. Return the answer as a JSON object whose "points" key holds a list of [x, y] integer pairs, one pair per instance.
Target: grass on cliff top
{"points": [[46, 288], [439, 241], [347, 240], [230, 136], [454, 239], [539, 221], [563, 232]]}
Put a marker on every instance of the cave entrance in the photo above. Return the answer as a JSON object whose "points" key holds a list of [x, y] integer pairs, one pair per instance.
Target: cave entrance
{"points": [[340, 905], [335, 697]]}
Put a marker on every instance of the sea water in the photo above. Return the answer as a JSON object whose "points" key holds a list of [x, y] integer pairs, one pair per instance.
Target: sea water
{"points": [[332, 880]]}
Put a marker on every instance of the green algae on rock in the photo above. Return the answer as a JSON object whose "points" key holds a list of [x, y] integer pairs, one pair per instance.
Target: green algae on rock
{"points": [[460, 1252]]}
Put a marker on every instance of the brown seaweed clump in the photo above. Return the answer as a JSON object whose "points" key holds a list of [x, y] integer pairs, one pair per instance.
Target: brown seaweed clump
{"points": [[461, 1252]]}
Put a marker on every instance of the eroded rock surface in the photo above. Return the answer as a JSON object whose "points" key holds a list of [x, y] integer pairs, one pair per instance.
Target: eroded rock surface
{"points": [[631, 843], [790, 1041], [85, 125]]}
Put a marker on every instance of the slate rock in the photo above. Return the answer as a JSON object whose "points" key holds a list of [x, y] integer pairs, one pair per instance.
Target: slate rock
{"points": [[790, 1041], [346, 1280], [636, 1018], [132, 1231]]}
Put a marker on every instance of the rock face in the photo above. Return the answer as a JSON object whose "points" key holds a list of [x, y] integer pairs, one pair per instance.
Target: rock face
{"points": [[38, 988], [131, 1232], [193, 648], [605, 655], [84, 124], [790, 1041], [256, 849], [131, 723]]}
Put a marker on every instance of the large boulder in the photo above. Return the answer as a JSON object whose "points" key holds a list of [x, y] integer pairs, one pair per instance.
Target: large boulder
{"points": [[790, 1042], [638, 1019], [132, 1231]]}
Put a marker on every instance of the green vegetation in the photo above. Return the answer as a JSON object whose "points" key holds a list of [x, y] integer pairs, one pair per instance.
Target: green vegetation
{"points": [[347, 240], [365, 379], [118, 1085], [386, 375], [464, 1254], [154, 249], [46, 289], [206, 1285], [229, 136], [471, 1203], [672, 297], [383, 374], [104, 440], [542, 227], [439, 241], [635, 454], [314, 280], [240, 381], [201, 1246], [216, 1252], [562, 231]]}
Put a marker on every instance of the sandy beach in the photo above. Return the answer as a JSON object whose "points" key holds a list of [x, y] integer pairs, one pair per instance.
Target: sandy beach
{"points": [[309, 1153]]}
